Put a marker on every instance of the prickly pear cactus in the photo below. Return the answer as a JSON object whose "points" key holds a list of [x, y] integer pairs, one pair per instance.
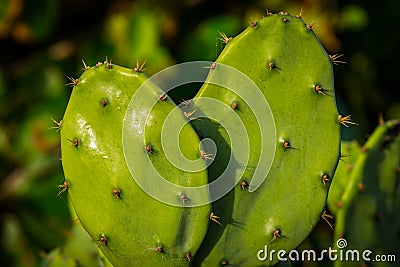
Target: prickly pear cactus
{"points": [[130, 227], [284, 58], [285, 115], [365, 195]]}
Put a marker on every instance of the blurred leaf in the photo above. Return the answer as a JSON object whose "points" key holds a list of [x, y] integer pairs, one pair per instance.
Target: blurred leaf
{"points": [[15, 243], [40, 18], [3, 86], [4, 5], [204, 42], [135, 34], [393, 111], [353, 18], [56, 259]]}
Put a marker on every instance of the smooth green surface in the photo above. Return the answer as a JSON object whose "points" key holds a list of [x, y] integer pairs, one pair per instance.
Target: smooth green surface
{"points": [[293, 196], [134, 224]]}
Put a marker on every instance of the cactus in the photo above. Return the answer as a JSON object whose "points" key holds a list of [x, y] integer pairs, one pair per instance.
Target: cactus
{"points": [[128, 226], [280, 174], [283, 57], [365, 195]]}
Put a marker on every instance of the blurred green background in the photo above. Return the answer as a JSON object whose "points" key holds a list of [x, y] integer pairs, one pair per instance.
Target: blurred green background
{"points": [[43, 41]]}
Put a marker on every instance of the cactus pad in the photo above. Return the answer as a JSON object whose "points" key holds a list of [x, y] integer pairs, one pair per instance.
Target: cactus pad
{"points": [[283, 57], [130, 227]]}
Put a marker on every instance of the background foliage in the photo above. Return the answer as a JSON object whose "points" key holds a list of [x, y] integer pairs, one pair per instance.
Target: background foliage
{"points": [[43, 41]]}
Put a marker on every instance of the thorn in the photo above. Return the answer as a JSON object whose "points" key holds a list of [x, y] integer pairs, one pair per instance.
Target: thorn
{"points": [[225, 39], [205, 155], [235, 105], [58, 127], [160, 248], [381, 121], [162, 97], [73, 82], [188, 256], [85, 67], [140, 68], [345, 120], [102, 240], [148, 149], [103, 102], [325, 178], [335, 57], [301, 13], [189, 114], [253, 23], [342, 156], [224, 263], [116, 192], [268, 13], [75, 142], [285, 20], [64, 187], [318, 88], [276, 235], [215, 218], [311, 26], [186, 103], [212, 66], [183, 197], [271, 65], [286, 145], [364, 149], [361, 187], [325, 217], [108, 63], [99, 64], [244, 184]]}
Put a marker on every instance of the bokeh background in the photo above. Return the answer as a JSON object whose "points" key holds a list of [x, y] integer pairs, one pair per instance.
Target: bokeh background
{"points": [[43, 41]]}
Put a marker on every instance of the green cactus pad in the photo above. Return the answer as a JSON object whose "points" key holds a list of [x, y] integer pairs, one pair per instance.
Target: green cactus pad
{"points": [[283, 57], [365, 194], [129, 226]]}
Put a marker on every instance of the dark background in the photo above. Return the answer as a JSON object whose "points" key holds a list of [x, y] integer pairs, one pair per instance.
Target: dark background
{"points": [[43, 41]]}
